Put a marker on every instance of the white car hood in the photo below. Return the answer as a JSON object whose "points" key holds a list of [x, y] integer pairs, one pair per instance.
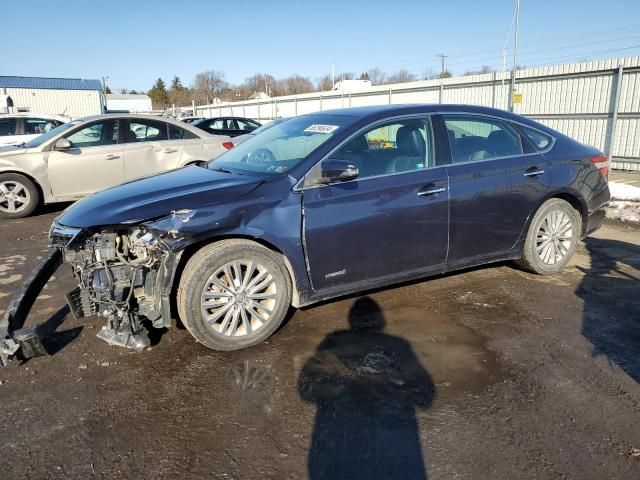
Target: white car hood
{"points": [[11, 150]]}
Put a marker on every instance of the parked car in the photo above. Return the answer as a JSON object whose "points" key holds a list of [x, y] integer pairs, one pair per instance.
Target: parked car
{"points": [[365, 197], [230, 126], [84, 156], [18, 128], [246, 136], [191, 119]]}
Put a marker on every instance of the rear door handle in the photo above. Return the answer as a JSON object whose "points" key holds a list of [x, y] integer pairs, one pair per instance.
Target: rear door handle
{"points": [[111, 156], [533, 172], [170, 150], [429, 190]]}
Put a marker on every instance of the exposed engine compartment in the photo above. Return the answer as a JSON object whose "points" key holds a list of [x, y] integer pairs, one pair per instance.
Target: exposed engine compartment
{"points": [[118, 275]]}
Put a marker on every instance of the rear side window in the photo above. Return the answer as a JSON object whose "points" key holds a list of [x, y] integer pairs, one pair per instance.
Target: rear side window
{"points": [[8, 126], [540, 140], [177, 133], [479, 138], [146, 131]]}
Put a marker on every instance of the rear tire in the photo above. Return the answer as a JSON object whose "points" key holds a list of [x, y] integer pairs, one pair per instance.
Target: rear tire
{"points": [[233, 294], [552, 238], [19, 196]]}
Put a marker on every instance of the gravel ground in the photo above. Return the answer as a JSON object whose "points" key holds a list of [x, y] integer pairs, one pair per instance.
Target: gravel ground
{"points": [[491, 373]]}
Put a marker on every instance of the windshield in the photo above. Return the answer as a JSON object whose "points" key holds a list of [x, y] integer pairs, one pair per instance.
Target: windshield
{"points": [[36, 142], [280, 148], [267, 126]]}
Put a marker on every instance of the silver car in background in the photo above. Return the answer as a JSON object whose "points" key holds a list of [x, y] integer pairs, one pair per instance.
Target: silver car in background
{"points": [[18, 128], [93, 153]]}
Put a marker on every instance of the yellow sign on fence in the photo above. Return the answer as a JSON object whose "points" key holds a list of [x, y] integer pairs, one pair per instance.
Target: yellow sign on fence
{"points": [[517, 97]]}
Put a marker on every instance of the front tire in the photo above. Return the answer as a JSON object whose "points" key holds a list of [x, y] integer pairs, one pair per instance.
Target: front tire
{"points": [[19, 197], [552, 238], [233, 294]]}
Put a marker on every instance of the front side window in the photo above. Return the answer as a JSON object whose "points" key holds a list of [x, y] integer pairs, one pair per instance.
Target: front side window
{"points": [[282, 146], [8, 126], [479, 138], [38, 126], [218, 124], [146, 131], [95, 135], [394, 147]]}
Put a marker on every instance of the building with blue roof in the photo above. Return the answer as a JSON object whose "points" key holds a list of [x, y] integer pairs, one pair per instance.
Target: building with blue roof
{"points": [[74, 97]]}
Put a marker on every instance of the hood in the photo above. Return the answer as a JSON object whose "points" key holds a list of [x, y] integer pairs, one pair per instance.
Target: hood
{"points": [[157, 196], [11, 150]]}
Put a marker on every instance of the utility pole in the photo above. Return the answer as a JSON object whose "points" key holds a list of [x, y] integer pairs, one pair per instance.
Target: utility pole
{"points": [[333, 75], [515, 54], [443, 68]]}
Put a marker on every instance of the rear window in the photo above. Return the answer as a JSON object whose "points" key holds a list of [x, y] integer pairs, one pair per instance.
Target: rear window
{"points": [[540, 140]]}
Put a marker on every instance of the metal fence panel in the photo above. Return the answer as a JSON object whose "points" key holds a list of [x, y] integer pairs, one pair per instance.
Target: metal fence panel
{"points": [[577, 99]]}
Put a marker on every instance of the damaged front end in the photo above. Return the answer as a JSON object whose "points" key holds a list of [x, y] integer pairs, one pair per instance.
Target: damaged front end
{"points": [[124, 273]]}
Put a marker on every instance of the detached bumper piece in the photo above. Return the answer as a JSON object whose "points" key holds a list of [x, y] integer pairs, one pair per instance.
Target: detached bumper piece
{"points": [[17, 341]]}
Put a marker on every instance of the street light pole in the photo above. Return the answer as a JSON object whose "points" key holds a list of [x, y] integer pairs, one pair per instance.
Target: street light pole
{"points": [[515, 54], [442, 63]]}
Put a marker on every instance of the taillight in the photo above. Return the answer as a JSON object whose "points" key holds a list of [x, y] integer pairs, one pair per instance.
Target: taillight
{"points": [[602, 164], [228, 145]]}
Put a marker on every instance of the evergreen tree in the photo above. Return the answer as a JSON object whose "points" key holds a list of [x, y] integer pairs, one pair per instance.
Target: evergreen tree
{"points": [[158, 94], [176, 84]]}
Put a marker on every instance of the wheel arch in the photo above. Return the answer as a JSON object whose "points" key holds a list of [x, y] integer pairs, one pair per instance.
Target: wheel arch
{"points": [[43, 196], [191, 249], [572, 198]]}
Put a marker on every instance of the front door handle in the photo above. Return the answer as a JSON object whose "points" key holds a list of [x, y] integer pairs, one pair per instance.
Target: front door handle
{"points": [[533, 172], [111, 156], [430, 190]]}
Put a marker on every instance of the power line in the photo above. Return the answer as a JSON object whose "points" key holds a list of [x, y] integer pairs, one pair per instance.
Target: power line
{"points": [[443, 59], [499, 52]]}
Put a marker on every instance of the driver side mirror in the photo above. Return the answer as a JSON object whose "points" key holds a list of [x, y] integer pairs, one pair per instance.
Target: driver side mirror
{"points": [[62, 144], [334, 170]]}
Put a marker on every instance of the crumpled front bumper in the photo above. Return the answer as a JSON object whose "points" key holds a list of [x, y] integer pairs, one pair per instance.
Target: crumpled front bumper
{"points": [[17, 341]]}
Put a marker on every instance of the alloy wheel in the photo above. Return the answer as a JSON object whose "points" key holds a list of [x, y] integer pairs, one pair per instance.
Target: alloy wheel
{"points": [[239, 298], [554, 237], [14, 196]]}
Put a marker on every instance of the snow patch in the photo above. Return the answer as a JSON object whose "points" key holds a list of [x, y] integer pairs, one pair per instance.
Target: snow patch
{"points": [[621, 191], [625, 202]]}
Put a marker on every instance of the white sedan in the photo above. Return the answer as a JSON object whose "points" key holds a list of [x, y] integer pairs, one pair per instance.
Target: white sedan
{"points": [[87, 155], [17, 128]]}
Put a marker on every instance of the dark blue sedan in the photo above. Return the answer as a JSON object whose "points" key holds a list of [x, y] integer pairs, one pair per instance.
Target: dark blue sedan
{"points": [[324, 205]]}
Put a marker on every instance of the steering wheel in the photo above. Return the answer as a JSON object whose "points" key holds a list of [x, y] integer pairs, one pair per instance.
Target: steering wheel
{"points": [[262, 155]]}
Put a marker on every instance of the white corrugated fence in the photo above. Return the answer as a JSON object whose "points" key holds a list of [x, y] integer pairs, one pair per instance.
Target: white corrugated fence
{"points": [[597, 102]]}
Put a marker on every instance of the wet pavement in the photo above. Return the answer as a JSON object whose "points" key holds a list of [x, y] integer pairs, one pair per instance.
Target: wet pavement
{"points": [[490, 373]]}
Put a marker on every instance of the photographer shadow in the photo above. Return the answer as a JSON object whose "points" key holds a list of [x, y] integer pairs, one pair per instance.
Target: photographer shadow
{"points": [[366, 386]]}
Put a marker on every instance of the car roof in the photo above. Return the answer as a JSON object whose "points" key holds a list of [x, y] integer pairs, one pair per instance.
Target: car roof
{"points": [[407, 109], [44, 116], [133, 116]]}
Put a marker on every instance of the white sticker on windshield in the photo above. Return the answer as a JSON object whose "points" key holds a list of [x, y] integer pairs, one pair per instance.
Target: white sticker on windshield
{"points": [[321, 128]]}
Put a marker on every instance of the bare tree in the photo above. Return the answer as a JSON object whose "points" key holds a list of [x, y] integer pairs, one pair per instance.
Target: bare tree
{"points": [[401, 76], [324, 83], [376, 76], [294, 85], [480, 71], [208, 85]]}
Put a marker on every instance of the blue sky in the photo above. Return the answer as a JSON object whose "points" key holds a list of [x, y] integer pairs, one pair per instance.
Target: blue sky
{"points": [[134, 42]]}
